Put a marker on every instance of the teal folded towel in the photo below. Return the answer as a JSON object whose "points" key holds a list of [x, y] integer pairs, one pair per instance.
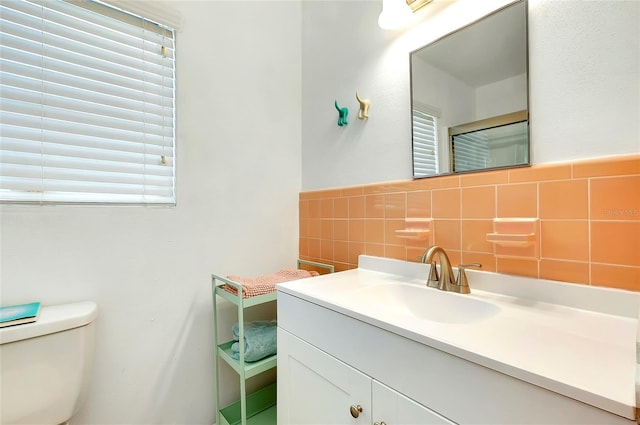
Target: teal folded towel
{"points": [[259, 340]]}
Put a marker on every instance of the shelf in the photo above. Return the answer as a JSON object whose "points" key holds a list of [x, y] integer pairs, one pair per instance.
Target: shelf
{"points": [[415, 228], [242, 302], [330, 268], [261, 409], [516, 239], [419, 235], [250, 368]]}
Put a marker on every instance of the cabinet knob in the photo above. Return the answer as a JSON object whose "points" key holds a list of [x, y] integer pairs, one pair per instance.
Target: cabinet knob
{"points": [[355, 410]]}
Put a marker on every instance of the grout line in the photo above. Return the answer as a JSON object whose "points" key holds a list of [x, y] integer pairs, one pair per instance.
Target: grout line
{"points": [[539, 230], [460, 219], [589, 222]]}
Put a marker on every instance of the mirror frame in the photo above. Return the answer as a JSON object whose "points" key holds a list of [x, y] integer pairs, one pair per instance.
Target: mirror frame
{"points": [[467, 126]]}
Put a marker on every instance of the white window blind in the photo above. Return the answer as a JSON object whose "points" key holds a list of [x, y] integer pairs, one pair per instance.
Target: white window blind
{"points": [[425, 144], [471, 151], [86, 105]]}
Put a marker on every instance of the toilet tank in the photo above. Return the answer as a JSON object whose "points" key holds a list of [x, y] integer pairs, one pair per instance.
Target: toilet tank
{"points": [[45, 366]]}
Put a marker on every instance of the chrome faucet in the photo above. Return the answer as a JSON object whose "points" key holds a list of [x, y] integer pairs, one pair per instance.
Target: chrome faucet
{"points": [[447, 281]]}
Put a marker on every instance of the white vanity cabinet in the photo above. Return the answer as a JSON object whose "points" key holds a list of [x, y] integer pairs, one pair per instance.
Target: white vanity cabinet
{"points": [[329, 361], [318, 388], [392, 408], [321, 389]]}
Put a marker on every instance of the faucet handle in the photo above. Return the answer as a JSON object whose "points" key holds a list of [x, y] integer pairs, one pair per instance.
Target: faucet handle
{"points": [[462, 276], [470, 265]]}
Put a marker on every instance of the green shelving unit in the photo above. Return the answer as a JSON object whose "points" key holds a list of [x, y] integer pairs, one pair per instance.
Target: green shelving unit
{"points": [[259, 407], [249, 369]]}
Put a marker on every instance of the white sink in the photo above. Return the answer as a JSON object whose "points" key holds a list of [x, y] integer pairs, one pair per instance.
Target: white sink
{"points": [[426, 303], [575, 340]]}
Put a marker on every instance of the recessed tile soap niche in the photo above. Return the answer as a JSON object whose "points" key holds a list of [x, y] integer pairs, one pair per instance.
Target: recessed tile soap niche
{"points": [[415, 229], [515, 237]]}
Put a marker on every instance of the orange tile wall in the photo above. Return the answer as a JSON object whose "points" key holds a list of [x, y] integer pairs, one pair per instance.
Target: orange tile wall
{"points": [[588, 211]]}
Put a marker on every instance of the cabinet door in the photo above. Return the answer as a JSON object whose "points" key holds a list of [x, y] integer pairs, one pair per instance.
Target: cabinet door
{"points": [[315, 388], [392, 408]]}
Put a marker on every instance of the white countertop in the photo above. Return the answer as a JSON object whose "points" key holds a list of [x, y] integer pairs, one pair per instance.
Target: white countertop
{"points": [[583, 347]]}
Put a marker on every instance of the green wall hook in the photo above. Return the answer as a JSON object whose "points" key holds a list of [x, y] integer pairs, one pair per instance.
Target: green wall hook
{"points": [[342, 115]]}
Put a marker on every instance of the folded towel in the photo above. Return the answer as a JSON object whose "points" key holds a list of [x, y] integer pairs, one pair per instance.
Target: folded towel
{"points": [[259, 340], [252, 286]]}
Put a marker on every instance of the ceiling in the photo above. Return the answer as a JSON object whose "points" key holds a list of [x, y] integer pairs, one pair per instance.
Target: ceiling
{"points": [[491, 49]]}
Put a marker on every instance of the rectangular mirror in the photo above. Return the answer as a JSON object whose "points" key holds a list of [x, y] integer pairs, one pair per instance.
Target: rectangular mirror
{"points": [[469, 97]]}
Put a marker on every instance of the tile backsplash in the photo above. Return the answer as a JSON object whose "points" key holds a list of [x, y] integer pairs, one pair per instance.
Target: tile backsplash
{"points": [[588, 213]]}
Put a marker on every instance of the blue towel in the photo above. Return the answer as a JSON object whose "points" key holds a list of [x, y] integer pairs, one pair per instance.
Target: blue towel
{"points": [[259, 340]]}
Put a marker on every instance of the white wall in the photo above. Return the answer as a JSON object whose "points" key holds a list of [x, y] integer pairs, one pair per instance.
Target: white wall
{"points": [[585, 79], [584, 70], [454, 100], [149, 268], [501, 97]]}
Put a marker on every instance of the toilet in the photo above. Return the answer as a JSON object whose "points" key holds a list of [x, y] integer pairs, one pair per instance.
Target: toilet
{"points": [[45, 366]]}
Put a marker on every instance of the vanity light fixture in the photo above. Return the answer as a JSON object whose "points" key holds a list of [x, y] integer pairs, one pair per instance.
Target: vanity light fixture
{"points": [[395, 14], [417, 4]]}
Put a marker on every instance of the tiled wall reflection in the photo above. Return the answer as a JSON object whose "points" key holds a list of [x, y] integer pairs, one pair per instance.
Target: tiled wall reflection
{"points": [[588, 214]]}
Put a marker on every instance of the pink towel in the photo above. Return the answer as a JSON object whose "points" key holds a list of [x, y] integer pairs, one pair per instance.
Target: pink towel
{"points": [[252, 286]]}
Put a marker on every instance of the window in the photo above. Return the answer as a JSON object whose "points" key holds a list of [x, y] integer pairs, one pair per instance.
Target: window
{"points": [[470, 151], [86, 105], [425, 144]]}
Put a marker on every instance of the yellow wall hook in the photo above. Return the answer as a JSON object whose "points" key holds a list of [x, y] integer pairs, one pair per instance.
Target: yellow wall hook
{"points": [[363, 113]]}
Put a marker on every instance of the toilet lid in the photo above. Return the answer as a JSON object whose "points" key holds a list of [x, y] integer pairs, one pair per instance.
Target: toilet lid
{"points": [[55, 318]]}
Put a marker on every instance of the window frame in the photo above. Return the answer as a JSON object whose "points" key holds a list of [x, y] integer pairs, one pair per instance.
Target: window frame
{"points": [[65, 156]]}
